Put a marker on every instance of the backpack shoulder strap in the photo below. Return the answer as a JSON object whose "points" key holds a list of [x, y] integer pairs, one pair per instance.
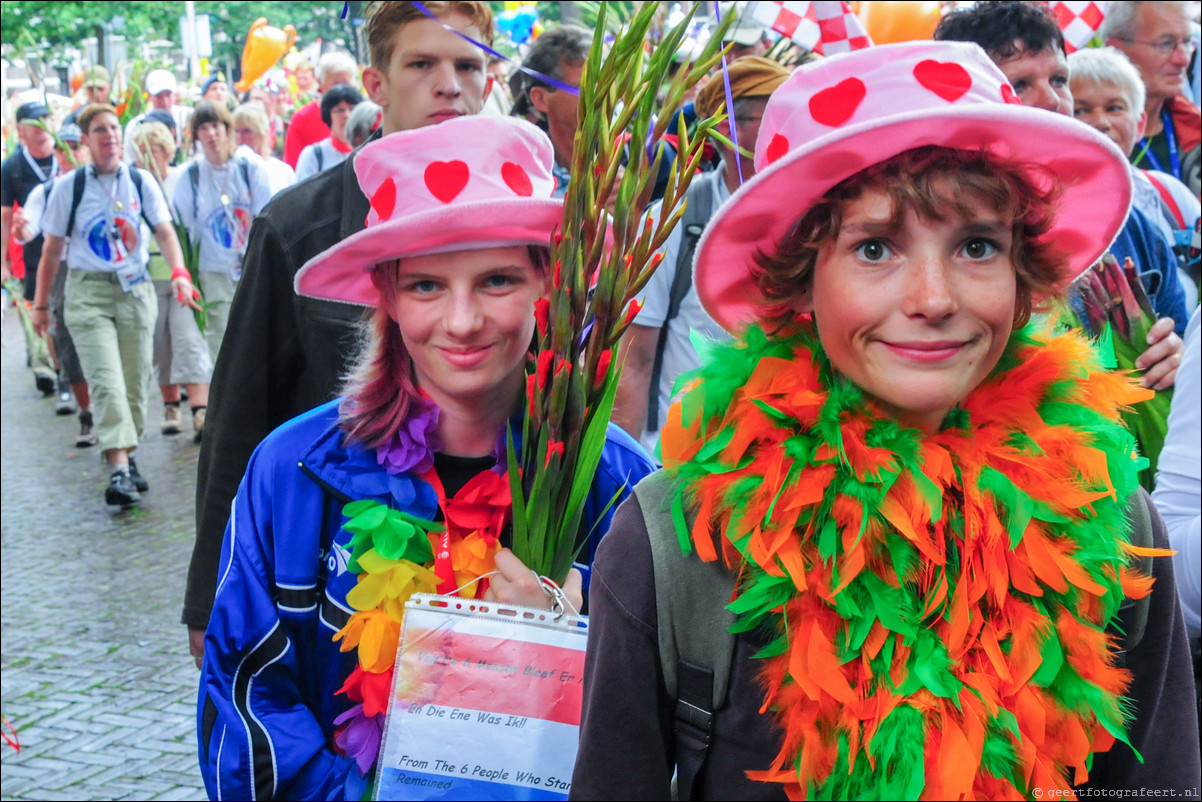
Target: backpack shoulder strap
{"points": [[699, 209], [77, 187], [244, 166], [1134, 612], [1168, 202], [194, 182], [135, 176], [320, 154], [696, 645]]}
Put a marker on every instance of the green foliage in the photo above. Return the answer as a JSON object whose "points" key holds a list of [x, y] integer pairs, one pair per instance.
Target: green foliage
{"points": [[58, 23], [571, 390]]}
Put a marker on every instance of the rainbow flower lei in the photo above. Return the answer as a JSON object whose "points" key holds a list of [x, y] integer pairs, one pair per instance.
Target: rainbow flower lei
{"points": [[938, 604], [396, 555]]}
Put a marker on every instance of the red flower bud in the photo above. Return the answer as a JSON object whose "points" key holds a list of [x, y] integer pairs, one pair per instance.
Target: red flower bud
{"points": [[530, 393], [556, 282], [632, 311], [562, 365], [656, 258], [544, 367], [542, 310], [553, 447], [603, 367]]}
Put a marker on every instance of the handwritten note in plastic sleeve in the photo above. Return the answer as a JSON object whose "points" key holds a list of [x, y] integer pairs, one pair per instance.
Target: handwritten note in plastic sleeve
{"points": [[485, 705]]}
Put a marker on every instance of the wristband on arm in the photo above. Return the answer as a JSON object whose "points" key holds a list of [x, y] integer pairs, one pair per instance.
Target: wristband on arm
{"points": [[180, 272]]}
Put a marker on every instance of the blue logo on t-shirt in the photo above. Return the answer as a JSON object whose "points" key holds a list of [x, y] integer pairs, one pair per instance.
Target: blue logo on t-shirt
{"points": [[112, 242]]}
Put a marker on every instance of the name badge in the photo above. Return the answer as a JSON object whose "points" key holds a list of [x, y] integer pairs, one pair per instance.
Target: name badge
{"points": [[131, 276]]}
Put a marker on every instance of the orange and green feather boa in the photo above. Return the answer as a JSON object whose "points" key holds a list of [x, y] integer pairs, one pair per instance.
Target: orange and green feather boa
{"points": [[936, 605]]}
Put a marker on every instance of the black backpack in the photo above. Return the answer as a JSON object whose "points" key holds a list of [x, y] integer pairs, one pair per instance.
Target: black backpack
{"points": [[194, 180], [80, 180]]}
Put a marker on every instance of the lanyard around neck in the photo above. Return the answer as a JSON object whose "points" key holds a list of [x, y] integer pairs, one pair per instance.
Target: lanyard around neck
{"points": [[37, 168], [1145, 149], [115, 196]]}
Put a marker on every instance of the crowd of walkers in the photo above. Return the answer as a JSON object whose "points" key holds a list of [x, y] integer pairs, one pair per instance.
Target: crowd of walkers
{"points": [[860, 298]]}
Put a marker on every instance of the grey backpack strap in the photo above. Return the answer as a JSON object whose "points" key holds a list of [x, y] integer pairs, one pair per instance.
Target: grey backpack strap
{"points": [[696, 646], [697, 212], [1134, 612], [194, 182]]}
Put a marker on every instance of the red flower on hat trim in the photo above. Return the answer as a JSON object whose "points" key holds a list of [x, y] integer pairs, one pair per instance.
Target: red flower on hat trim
{"points": [[445, 180], [945, 78], [1009, 96], [515, 178], [834, 105], [384, 200]]}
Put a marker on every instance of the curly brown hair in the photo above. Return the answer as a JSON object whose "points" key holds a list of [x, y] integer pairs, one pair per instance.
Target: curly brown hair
{"points": [[934, 182]]}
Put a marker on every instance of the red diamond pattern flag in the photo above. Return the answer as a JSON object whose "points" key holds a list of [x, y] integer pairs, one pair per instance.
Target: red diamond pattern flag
{"points": [[1079, 19], [824, 27]]}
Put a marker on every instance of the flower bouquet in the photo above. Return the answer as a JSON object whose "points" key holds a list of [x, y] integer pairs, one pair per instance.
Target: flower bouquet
{"points": [[1115, 310], [573, 380], [190, 249]]}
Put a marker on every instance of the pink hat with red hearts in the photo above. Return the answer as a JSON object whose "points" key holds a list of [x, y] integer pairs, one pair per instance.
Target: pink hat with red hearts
{"points": [[838, 116], [469, 183]]}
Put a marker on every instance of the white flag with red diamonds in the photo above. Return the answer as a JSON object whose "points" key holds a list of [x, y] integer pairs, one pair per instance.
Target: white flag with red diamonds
{"points": [[824, 27], [1079, 20]]}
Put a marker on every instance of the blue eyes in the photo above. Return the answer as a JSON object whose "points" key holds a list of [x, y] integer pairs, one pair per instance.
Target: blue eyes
{"points": [[494, 282]]}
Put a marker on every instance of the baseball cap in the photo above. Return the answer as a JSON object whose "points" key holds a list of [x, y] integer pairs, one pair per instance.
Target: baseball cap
{"points": [[160, 116], [32, 111], [96, 75], [159, 81], [70, 133]]}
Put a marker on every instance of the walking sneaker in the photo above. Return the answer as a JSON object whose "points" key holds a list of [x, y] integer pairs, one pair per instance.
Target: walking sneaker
{"points": [[87, 432], [121, 490], [138, 479], [44, 381], [172, 421], [198, 424], [66, 404]]}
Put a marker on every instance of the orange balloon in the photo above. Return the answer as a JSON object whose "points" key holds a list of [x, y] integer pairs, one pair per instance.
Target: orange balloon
{"points": [[889, 21], [76, 82], [264, 47]]}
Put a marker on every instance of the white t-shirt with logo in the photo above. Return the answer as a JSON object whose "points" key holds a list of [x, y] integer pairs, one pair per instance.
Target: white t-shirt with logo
{"points": [[221, 228], [679, 353], [279, 175], [310, 163], [105, 239]]}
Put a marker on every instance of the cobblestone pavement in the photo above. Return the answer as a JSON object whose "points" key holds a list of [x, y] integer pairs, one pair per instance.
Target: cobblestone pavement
{"points": [[94, 668]]}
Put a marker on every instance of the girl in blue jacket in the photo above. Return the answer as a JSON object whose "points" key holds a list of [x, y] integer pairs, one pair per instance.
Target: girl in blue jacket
{"points": [[299, 650]]}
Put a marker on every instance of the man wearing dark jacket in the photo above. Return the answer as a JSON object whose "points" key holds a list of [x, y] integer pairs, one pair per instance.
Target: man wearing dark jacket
{"points": [[284, 354]]}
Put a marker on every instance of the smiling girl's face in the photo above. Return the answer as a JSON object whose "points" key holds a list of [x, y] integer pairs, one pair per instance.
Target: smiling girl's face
{"points": [[915, 311], [467, 321]]}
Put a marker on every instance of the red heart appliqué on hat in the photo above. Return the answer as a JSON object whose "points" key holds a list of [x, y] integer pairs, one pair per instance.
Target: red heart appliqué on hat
{"points": [[385, 199], [778, 147], [949, 81], [834, 105], [515, 178], [1009, 96], [445, 180]]}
